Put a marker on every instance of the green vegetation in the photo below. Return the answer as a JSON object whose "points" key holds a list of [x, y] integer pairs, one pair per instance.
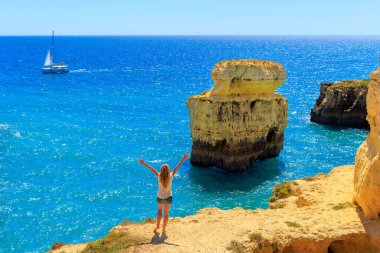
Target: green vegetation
{"points": [[281, 205], [281, 191], [292, 224], [352, 83], [258, 238], [236, 247], [343, 205], [112, 243]]}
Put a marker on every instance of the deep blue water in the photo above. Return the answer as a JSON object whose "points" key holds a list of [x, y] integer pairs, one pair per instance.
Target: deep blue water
{"points": [[69, 144]]}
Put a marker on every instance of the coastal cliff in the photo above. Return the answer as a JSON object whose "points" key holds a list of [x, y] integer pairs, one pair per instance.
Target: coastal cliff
{"points": [[367, 161], [310, 215], [342, 104], [240, 120]]}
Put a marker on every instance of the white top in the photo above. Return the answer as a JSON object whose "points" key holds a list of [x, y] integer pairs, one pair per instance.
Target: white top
{"points": [[165, 192], [48, 60]]}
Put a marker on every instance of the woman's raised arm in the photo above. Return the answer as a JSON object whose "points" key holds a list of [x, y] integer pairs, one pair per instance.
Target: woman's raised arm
{"points": [[141, 161], [179, 164]]}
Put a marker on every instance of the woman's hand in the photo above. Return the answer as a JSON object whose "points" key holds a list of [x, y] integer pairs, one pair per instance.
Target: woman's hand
{"points": [[185, 157], [141, 161]]}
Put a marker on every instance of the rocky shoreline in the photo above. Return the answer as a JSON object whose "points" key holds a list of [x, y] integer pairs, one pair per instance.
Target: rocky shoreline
{"points": [[342, 104]]}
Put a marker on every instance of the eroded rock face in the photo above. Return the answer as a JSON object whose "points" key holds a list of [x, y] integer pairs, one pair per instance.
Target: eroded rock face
{"points": [[246, 77], [342, 104], [367, 161], [240, 120]]}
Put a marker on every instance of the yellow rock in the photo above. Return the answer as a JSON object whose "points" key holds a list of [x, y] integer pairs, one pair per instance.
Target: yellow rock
{"points": [[240, 120], [246, 77], [367, 161]]}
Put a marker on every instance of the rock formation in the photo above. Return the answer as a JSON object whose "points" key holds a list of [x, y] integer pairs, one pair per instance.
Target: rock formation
{"points": [[342, 104], [240, 120], [367, 161]]}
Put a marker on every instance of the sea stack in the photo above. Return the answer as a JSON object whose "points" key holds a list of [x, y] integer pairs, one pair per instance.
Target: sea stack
{"points": [[241, 119], [342, 104], [367, 161]]}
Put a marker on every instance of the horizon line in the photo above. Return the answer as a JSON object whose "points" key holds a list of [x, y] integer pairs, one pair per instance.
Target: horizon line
{"points": [[194, 35]]}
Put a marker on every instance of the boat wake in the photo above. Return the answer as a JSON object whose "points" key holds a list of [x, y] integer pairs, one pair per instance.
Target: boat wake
{"points": [[90, 71]]}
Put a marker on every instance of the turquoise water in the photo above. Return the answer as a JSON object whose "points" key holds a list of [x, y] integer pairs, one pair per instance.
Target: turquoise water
{"points": [[69, 144]]}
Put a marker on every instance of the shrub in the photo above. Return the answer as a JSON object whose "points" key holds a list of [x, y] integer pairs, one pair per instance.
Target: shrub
{"points": [[112, 243], [236, 247], [256, 237], [282, 191]]}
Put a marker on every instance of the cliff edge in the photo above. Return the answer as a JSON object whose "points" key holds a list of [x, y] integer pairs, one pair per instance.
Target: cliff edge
{"points": [[240, 120], [317, 216], [342, 104], [367, 161]]}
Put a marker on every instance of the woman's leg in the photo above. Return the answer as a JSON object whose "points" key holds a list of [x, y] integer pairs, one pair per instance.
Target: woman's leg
{"points": [[159, 215], [166, 216]]}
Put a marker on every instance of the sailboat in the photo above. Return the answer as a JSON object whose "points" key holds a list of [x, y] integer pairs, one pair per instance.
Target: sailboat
{"points": [[51, 67]]}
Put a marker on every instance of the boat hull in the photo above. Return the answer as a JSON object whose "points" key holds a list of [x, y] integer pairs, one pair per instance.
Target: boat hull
{"points": [[54, 70]]}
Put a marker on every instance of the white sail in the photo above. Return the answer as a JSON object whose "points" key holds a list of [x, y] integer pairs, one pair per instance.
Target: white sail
{"points": [[48, 60]]}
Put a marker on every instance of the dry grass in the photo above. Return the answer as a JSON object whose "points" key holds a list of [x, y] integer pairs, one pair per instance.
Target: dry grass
{"points": [[343, 205], [258, 238], [147, 220], [352, 83], [236, 247], [112, 243], [292, 224]]}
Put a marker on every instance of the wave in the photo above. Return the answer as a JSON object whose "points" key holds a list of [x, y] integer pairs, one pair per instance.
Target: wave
{"points": [[90, 71], [80, 71]]}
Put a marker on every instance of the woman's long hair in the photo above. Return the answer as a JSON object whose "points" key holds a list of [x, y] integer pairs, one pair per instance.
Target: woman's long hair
{"points": [[164, 175]]}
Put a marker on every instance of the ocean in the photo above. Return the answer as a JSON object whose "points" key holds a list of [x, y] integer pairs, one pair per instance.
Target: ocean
{"points": [[69, 144]]}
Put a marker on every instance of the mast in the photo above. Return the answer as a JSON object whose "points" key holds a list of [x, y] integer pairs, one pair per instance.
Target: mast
{"points": [[52, 46]]}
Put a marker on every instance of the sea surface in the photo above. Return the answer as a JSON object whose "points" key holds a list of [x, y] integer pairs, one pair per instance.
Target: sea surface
{"points": [[69, 144]]}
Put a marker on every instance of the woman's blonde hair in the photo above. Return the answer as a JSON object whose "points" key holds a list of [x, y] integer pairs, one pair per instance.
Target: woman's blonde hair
{"points": [[164, 175]]}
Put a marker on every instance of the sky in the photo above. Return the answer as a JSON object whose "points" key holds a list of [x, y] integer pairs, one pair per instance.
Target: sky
{"points": [[193, 17]]}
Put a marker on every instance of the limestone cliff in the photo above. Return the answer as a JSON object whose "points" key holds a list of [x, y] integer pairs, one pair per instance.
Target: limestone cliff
{"points": [[367, 161], [318, 217], [240, 120], [342, 104]]}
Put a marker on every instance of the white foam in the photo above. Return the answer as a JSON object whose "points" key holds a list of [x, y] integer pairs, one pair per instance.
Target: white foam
{"points": [[4, 126], [80, 71]]}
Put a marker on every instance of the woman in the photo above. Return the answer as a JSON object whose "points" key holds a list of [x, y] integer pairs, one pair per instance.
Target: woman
{"points": [[164, 194]]}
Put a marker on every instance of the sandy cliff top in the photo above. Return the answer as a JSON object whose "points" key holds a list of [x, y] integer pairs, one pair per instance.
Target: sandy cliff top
{"points": [[318, 216]]}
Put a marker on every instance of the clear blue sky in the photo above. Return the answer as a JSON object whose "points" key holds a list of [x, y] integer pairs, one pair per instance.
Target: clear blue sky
{"points": [[190, 17]]}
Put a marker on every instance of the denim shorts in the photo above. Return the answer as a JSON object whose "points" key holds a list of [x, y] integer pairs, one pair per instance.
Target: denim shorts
{"points": [[168, 200]]}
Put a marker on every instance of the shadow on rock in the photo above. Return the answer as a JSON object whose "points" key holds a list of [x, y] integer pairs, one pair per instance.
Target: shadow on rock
{"points": [[157, 239]]}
